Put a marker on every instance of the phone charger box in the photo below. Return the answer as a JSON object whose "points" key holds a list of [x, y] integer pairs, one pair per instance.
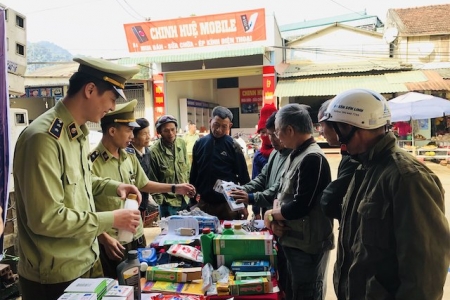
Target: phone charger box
{"points": [[120, 291], [227, 260], [173, 274], [78, 296], [250, 287], [235, 244], [250, 265], [253, 275]]}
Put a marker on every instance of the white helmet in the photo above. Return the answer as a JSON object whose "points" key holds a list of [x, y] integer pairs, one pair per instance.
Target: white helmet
{"points": [[361, 108]]}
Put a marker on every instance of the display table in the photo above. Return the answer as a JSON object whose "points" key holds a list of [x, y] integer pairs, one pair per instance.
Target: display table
{"points": [[271, 296]]}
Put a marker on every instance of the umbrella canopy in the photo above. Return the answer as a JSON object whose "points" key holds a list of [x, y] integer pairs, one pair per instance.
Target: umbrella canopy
{"points": [[414, 106]]}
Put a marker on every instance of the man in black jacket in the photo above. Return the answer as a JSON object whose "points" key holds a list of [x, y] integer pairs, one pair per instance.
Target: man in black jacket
{"points": [[218, 156]]}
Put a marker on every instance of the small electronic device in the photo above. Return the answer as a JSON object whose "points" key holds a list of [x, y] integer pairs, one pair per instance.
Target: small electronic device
{"points": [[140, 34]]}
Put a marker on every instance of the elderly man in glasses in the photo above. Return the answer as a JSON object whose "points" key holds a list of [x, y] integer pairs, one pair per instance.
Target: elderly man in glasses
{"points": [[218, 156]]}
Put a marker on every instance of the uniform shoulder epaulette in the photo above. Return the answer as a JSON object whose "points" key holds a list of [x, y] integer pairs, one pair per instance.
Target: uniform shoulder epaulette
{"points": [[56, 128], [93, 156], [130, 150]]}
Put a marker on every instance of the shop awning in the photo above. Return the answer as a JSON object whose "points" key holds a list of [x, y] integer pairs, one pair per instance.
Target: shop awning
{"points": [[329, 86], [192, 55]]}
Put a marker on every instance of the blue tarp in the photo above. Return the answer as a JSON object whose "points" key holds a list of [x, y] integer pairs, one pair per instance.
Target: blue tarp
{"points": [[4, 133]]}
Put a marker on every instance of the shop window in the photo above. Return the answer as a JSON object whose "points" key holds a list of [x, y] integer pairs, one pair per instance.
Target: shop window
{"points": [[20, 49], [227, 83], [20, 21]]}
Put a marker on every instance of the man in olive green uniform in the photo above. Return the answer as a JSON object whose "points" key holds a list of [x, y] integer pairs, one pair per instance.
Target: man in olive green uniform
{"points": [[169, 163], [54, 189], [112, 158]]}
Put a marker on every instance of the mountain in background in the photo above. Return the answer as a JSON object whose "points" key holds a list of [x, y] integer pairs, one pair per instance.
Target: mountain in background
{"points": [[45, 52]]}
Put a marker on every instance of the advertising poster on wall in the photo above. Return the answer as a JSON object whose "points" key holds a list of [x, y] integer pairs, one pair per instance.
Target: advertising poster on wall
{"points": [[251, 100]]}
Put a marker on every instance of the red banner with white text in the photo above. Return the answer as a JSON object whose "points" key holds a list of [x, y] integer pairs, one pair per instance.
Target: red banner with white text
{"points": [[268, 84], [197, 32], [158, 96]]}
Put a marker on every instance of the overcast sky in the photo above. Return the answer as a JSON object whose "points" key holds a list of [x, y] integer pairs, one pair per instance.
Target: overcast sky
{"points": [[95, 27]]}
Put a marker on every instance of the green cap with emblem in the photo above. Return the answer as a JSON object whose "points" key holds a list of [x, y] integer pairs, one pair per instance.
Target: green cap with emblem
{"points": [[108, 71], [123, 114]]}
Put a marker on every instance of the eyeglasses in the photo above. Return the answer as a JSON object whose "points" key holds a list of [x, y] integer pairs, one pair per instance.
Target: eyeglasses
{"points": [[277, 132]]}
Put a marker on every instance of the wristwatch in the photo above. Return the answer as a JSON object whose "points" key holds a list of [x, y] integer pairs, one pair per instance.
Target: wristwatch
{"points": [[173, 188]]}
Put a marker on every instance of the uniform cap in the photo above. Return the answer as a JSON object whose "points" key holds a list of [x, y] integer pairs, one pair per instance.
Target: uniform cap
{"points": [[123, 114], [108, 71], [164, 120]]}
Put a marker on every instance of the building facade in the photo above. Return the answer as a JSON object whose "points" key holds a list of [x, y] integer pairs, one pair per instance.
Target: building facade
{"points": [[16, 47]]}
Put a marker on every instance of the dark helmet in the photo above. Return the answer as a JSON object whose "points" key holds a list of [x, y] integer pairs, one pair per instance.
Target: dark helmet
{"points": [[164, 120]]}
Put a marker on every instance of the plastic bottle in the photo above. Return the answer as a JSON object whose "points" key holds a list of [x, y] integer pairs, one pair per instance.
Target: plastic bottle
{"points": [[128, 273], [238, 229], [131, 202], [227, 229], [206, 241]]}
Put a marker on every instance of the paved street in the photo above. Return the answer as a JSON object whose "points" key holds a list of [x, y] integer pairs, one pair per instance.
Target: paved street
{"points": [[441, 171]]}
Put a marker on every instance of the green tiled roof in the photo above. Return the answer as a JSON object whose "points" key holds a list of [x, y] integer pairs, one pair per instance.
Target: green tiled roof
{"points": [[330, 86], [191, 56]]}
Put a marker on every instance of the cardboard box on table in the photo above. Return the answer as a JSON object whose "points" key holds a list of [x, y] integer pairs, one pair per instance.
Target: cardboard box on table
{"points": [[250, 287], [240, 248], [174, 274], [250, 244]]}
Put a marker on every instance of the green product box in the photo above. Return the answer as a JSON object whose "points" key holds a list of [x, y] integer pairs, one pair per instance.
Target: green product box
{"points": [[250, 287], [237, 244], [227, 260], [173, 274], [253, 275]]}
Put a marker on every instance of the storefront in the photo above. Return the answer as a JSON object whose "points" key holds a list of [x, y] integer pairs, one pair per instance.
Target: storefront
{"points": [[225, 59]]}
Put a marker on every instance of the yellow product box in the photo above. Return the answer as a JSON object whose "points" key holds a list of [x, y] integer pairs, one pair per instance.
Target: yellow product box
{"points": [[250, 244], [173, 274], [250, 287]]}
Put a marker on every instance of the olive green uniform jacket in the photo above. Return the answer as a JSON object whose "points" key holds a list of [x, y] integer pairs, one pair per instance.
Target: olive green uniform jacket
{"points": [[394, 239], [264, 188], [126, 169], [54, 189], [167, 168]]}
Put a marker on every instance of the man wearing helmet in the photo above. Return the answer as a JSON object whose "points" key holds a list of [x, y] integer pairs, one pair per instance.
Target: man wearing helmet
{"points": [[394, 239], [169, 164]]}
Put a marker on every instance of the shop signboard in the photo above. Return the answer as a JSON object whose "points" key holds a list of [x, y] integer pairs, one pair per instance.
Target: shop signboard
{"points": [[251, 100], [197, 32]]}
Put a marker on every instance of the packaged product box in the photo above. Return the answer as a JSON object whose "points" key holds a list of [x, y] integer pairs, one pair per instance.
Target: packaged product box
{"points": [[227, 260], [173, 274], [211, 222], [250, 244], [250, 287], [78, 296], [120, 291], [250, 265], [253, 275]]}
